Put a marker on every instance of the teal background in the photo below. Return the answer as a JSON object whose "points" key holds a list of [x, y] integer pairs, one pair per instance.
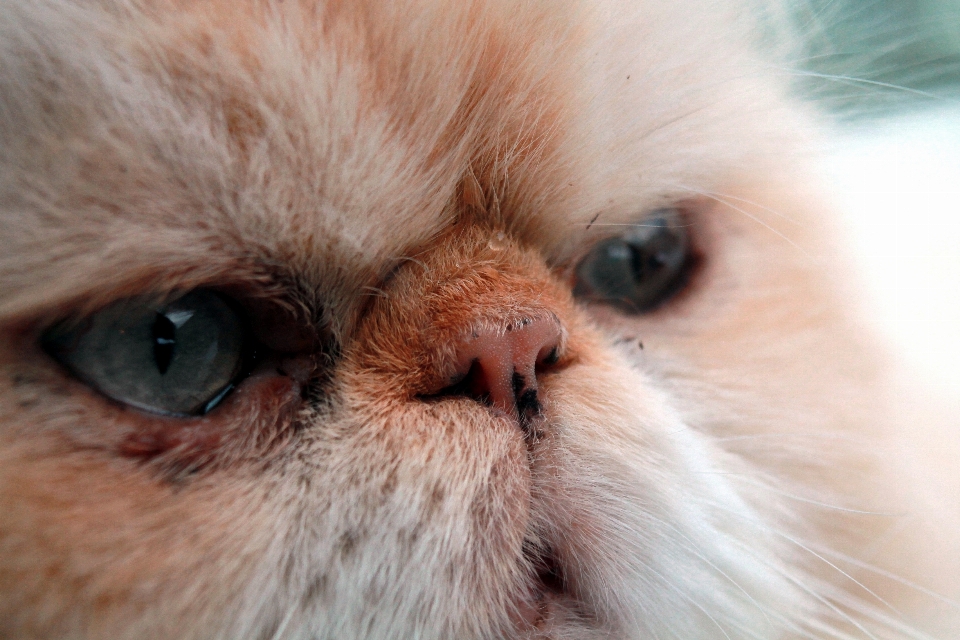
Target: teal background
{"points": [[879, 56]]}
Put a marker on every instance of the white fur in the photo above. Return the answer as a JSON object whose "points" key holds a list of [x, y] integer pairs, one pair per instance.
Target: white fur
{"points": [[726, 481]]}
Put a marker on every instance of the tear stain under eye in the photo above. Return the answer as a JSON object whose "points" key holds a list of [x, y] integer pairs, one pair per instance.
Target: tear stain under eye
{"points": [[247, 425], [300, 368]]}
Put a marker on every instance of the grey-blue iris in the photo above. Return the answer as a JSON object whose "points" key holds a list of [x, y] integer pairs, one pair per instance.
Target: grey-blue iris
{"points": [[178, 358], [640, 269]]}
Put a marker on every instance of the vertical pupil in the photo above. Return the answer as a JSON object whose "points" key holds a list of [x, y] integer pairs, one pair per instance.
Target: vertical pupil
{"points": [[164, 340], [646, 258], [641, 263]]}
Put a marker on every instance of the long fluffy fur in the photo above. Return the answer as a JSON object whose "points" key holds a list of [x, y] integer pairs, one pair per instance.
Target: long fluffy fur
{"points": [[729, 466]]}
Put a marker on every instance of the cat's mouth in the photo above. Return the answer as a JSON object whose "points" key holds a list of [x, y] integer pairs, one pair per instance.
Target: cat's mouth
{"points": [[550, 578], [551, 598], [548, 584]]}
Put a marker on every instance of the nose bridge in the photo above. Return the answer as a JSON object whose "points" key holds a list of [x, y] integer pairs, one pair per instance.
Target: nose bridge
{"points": [[469, 318]]}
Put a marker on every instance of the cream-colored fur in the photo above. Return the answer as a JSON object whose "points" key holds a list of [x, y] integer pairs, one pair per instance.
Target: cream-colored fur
{"points": [[383, 176]]}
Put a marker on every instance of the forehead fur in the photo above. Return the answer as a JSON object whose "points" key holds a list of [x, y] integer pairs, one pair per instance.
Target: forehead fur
{"points": [[310, 146]]}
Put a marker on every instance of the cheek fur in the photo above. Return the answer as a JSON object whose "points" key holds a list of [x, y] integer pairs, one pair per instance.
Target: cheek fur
{"points": [[82, 529], [306, 149]]}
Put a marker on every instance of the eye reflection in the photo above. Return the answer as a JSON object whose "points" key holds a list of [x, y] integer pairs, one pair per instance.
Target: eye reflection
{"points": [[179, 358]]}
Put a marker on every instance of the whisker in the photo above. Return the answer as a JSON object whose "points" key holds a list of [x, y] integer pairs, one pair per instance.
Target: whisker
{"points": [[375, 291], [874, 83], [752, 217], [886, 574], [846, 599], [692, 546], [816, 503], [755, 204], [641, 225], [829, 605], [793, 435], [841, 571], [278, 634], [663, 125], [689, 599], [420, 263]]}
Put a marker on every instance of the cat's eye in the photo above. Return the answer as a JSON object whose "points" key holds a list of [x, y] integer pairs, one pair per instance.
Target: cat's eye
{"points": [[639, 269], [180, 358]]}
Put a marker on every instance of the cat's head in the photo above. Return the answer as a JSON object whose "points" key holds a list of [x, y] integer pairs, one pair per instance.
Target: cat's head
{"points": [[408, 320]]}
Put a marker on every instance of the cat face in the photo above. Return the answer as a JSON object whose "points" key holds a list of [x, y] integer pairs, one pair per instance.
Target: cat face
{"points": [[391, 415]]}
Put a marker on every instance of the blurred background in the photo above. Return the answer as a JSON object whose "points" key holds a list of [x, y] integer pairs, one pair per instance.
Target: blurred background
{"points": [[888, 73], [871, 58]]}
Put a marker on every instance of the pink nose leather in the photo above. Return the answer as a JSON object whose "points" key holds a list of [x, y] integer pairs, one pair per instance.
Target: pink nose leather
{"points": [[501, 365]]}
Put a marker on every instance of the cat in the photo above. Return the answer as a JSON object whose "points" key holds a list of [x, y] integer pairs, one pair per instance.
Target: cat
{"points": [[423, 319]]}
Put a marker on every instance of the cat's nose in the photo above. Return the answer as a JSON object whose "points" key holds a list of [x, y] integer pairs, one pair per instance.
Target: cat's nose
{"points": [[499, 366]]}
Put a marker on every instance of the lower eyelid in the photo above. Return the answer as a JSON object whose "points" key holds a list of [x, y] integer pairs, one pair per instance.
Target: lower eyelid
{"points": [[246, 423]]}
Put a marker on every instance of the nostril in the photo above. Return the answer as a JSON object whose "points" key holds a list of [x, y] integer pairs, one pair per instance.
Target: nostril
{"points": [[499, 367], [548, 356], [474, 383]]}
